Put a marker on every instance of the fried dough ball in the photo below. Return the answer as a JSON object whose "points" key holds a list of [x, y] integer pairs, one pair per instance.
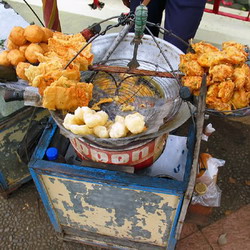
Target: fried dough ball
{"points": [[192, 82], [44, 46], [20, 70], [47, 34], [70, 119], [11, 45], [34, 33], [24, 47], [221, 72], [189, 65], [4, 59], [226, 90], [95, 119], [80, 129], [15, 56], [135, 123], [240, 99], [32, 51], [17, 36], [101, 132], [118, 130]]}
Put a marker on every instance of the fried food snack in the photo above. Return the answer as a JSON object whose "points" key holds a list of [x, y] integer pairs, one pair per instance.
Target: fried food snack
{"points": [[189, 65], [11, 45], [34, 33], [44, 46], [192, 82], [66, 46], [20, 70], [240, 99], [226, 90], [32, 51], [202, 47], [228, 75], [17, 36], [15, 56], [24, 47], [4, 59], [64, 94], [221, 72], [47, 33]]}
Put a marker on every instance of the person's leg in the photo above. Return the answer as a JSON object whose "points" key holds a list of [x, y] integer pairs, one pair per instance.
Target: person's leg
{"points": [[183, 18], [155, 10]]}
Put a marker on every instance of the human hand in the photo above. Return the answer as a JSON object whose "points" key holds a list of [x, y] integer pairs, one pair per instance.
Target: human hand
{"points": [[126, 3]]}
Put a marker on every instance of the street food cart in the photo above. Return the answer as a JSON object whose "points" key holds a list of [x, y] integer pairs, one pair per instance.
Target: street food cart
{"points": [[94, 190]]}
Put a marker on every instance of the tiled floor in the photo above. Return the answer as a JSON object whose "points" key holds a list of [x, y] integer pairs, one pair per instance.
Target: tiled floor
{"points": [[230, 233]]}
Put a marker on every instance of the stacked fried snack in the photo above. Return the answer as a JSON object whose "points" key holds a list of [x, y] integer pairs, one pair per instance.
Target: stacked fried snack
{"points": [[50, 52], [228, 75], [23, 44], [86, 121]]}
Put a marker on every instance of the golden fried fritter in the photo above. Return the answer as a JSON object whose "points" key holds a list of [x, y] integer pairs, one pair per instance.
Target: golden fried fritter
{"points": [[247, 81], [15, 56], [65, 94], [192, 82], [202, 47], [34, 33], [32, 51], [24, 47], [228, 78], [44, 46], [11, 45], [47, 33], [66, 47], [238, 46], [211, 58], [20, 70], [226, 90], [4, 58], [239, 77], [240, 99], [221, 72], [17, 36], [216, 103], [233, 55], [213, 91], [189, 65]]}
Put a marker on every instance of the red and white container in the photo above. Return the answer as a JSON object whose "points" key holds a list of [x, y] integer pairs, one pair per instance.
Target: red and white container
{"points": [[140, 156]]}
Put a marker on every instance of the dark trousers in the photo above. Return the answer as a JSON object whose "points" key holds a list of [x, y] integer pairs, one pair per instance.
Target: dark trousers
{"points": [[182, 17]]}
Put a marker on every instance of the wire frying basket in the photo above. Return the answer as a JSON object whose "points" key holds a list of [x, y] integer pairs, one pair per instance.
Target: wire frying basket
{"points": [[157, 98]]}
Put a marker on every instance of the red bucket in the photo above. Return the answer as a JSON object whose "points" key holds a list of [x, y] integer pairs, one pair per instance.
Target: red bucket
{"points": [[140, 156]]}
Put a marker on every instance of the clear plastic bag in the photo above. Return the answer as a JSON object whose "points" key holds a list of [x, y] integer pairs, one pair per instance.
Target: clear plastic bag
{"points": [[210, 194]]}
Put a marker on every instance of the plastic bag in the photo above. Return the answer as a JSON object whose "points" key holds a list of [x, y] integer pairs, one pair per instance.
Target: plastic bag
{"points": [[207, 132], [206, 192]]}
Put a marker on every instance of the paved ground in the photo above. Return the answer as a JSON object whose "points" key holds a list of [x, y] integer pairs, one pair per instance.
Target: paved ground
{"points": [[24, 223]]}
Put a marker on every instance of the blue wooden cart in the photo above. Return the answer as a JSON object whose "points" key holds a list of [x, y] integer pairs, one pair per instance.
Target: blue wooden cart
{"points": [[13, 128], [109, 208]]}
